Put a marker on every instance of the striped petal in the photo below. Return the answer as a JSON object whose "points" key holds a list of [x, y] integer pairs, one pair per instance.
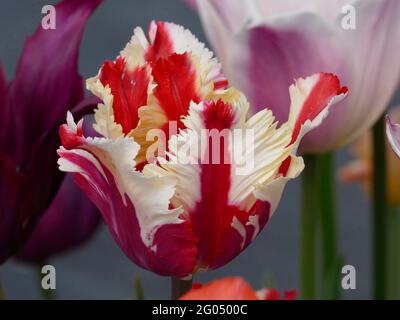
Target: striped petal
{"points": [[144, 227], [153, 81], [230, 202]]}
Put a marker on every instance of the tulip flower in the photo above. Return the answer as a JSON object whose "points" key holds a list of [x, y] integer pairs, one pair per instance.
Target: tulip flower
{"points": [[32, 107], [172, 211], [360, 170], [234, 288], [264, 44], [393, 133]]}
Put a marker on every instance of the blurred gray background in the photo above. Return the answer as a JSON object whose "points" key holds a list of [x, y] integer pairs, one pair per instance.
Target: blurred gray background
{"points": [[99, 270]]}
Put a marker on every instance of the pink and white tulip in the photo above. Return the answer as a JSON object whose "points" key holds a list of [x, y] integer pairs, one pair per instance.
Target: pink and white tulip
{"points": [[176, 214], [265, 44], [393, 133]]}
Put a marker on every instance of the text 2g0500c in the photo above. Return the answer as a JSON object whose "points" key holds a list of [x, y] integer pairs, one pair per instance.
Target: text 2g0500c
{"points": [[221, 309]]}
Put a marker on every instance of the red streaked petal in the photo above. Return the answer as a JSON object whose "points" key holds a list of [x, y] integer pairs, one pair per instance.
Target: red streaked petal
{"points": [[129, 90], [218, 115], [71, 134], [162, 44], [121, 217], [232, 288], [175, 77], [311, 97], [144, 227], [222, 228]]}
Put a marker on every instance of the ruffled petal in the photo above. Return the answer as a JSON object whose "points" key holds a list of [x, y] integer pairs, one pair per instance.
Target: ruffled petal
{"points": [[154, 80], [143, 226], [311, 100], [215, 188]]}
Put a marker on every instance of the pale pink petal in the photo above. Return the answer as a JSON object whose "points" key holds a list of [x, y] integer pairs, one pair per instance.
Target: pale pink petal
{"points": [[265, 56], [393, 133]]}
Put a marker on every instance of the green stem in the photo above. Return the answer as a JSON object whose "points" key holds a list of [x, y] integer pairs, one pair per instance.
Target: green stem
{"points": [[179, 287], [380, 210], [44, 294], [393, 256], [139, 292], [326, 190], [309, 210]]}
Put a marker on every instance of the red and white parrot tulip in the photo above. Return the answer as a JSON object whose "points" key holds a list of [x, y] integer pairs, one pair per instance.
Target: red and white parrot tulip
{"points": [[173, 212]]}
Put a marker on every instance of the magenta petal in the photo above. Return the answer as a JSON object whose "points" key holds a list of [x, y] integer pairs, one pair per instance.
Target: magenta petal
{"points": [[13, 211], [70, 220], [46, 85], [47, 82]]}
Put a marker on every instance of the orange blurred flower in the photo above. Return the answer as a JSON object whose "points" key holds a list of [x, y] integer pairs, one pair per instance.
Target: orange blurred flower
{"points": [[234, 288]]}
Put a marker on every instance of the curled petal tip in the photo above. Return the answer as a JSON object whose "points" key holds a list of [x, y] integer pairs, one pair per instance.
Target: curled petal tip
{"points": [[71, 134]]}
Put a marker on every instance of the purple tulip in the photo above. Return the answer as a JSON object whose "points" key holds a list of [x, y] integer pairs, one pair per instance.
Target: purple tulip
{"points": [[265, 44], [70, 220], [32, 107]]}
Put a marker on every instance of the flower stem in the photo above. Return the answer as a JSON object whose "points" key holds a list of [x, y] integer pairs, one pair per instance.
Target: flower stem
{"points": [[138, 289], [393, 256], [380, 211], [179, 287], [309, 211], [326, 191]]}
